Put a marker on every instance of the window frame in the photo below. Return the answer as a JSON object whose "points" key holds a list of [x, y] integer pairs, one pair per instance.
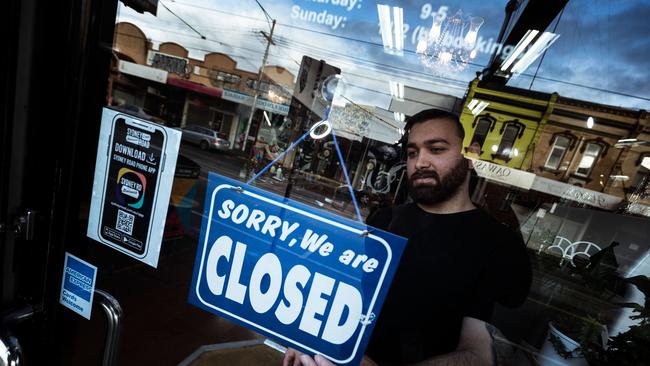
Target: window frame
{"points": [[519, 132], [583, 151], [554, 145], [476, 124]]}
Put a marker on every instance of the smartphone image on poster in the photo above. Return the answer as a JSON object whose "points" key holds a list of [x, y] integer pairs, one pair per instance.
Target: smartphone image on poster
{"points": [[135, 159]]}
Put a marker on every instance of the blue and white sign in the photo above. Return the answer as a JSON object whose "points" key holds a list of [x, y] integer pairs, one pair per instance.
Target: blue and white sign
{"points": [[78, 285], [307, 278]]}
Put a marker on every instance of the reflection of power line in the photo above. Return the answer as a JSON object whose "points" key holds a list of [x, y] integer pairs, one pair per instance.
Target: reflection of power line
{"points": [[390, 69], [539, 64], [293, 26], [163, 25], [592, 88], [366, 89], [375, 44], [197, 48], [359, 87], [182, 20]]}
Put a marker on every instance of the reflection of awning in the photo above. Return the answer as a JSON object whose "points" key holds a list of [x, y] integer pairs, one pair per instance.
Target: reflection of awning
{"points": [[575, 193], [186, 84], [528, 181], [503, 174], [142, 71]]}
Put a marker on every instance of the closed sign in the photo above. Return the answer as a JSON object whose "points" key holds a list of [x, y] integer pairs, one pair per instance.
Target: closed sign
{"points": [[307, 278]]}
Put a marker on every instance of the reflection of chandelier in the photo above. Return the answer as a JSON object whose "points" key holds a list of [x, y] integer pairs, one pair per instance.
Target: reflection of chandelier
{"points": [[449, 46]]}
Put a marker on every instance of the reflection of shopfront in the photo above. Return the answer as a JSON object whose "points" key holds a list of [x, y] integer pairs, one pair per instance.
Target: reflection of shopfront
{"points": [[268, 119], [215, 114]]}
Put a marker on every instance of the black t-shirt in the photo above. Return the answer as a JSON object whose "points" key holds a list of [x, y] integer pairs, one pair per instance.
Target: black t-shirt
{"points": [[454, 265]]}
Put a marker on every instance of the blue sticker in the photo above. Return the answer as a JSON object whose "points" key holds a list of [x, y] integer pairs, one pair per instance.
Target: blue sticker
{"points": [[307, 278], [78, 285]]}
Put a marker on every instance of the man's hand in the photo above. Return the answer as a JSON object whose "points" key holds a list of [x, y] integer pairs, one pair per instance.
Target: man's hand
{"points": [[476, 346], [291, 358], [295, 358]]}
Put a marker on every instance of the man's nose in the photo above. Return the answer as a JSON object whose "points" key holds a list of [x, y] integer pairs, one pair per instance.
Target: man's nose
{"points": [[422, 162]]}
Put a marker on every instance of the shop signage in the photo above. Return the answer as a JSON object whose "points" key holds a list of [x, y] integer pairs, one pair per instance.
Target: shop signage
{"points": [[639, 209], [503, 174], [264, 104], [575, 193], [134, 172], [78, 285], [143, 71], [307, 278], [174, 64]]}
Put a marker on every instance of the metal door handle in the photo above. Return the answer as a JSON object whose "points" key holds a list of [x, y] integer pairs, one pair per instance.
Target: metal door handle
{"points": [[24, 224], [113, 312], [11, 354]]}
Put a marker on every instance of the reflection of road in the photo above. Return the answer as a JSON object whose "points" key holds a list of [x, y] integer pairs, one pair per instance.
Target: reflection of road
{"points": [[230, 165]]}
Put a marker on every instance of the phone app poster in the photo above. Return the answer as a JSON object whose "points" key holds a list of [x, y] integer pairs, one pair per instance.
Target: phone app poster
{"points": [[304, 277], [134, 173]]}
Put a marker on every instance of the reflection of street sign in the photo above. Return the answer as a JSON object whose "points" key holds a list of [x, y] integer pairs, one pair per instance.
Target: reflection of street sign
{"points": [[307, 278], [310, 78]]}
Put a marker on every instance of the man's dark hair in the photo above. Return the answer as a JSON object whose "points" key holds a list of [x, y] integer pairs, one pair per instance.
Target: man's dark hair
{"points": [[429, 114]]}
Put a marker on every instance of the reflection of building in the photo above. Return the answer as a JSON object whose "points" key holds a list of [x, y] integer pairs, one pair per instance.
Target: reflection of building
{"points": [[504, 122], [212, 92], [576, 149], [578, 146]]}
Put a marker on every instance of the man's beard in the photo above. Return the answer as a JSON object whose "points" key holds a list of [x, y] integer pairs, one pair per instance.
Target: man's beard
{"points": [[442, 189]]}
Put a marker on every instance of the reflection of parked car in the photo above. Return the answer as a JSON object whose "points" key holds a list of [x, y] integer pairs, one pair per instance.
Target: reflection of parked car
{"points": [[204, 137], [139, 112]]}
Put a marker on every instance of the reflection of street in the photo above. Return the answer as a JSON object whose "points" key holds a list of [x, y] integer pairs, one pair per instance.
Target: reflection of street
{"points": [[230, 165], [225, 163]]}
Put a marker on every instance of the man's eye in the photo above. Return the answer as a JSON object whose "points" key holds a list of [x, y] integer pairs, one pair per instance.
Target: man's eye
{"points": [[436, 150], [411, 154]]}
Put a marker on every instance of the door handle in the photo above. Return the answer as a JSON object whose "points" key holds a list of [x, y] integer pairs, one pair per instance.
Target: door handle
{"points": [[11, 354], [24, 223], [113, 312]]}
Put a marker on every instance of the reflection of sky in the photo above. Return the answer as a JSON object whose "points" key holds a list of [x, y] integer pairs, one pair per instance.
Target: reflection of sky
{"points": [[601, 55]]}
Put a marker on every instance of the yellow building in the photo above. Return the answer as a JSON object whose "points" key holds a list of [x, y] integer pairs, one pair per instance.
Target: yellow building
{"points": [[504, 122], [599, 152]]}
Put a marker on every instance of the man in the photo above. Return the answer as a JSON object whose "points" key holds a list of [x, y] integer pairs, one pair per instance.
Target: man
{"points": [[457, 264]]}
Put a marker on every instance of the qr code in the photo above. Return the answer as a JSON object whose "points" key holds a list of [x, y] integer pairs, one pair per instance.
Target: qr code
{"points": [[124, 222]]}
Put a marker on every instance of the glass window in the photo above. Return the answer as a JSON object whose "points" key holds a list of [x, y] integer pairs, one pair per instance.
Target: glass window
{"points": [[583, 212], [558, 150], [482, 128], [589, 157], [505, 150]]}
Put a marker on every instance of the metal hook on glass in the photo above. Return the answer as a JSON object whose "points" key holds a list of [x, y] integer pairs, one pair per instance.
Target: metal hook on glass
{"points": [[328, 129]]}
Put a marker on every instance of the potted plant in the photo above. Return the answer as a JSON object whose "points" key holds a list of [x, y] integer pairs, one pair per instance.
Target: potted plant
{"points": [[631, 347], [628, 348], [581, 293]]}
